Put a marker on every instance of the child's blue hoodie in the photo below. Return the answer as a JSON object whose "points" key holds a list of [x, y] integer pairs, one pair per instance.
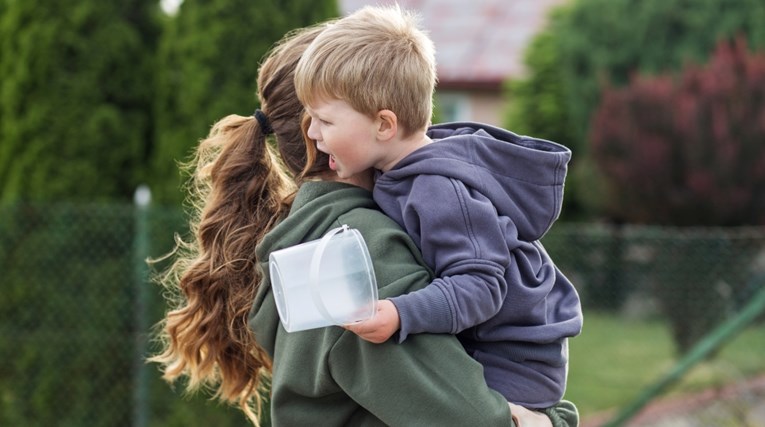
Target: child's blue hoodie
{"points": [[476, 201]]}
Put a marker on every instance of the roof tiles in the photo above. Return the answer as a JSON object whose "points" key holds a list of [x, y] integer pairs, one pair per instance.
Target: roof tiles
{"points": [[478, 42]]}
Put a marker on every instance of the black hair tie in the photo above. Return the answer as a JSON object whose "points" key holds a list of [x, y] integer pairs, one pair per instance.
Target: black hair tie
{"points": [[262, 119]]}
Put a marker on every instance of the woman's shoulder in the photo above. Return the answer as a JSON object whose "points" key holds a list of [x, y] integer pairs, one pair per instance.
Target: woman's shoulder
{"points": [[380, 232], [369, 219], [398, 263]]}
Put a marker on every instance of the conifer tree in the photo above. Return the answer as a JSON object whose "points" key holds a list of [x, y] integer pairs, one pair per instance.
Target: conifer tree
{"points": [[208, 63], [75, 100]]}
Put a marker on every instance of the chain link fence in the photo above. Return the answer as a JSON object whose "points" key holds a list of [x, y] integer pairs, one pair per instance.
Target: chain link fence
{"points": [[76, 306], [693, 277]]}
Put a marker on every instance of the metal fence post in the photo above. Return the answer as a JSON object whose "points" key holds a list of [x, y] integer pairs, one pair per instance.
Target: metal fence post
{"points": [[141, 200], [714, 340]]}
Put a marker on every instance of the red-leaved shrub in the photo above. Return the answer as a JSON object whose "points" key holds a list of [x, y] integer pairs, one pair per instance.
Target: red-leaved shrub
{"points": [[686, 150]]}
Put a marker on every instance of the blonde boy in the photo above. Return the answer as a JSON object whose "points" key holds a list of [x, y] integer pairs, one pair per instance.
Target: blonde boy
{"points": [[475, 198]]}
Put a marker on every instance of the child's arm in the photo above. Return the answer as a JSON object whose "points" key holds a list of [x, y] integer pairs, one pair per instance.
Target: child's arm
{"points": [[379, 328], [463, 240]]}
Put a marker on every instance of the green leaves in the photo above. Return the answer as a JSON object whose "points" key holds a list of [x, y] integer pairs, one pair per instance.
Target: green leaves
{"points": [[591, 45], [93, 102]]}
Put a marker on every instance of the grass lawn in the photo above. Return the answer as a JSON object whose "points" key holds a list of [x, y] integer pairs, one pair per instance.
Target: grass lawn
{"points": [[614, 359]]}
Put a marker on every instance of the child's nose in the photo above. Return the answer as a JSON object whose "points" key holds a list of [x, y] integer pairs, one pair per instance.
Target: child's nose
{"points": [[313, 132]]}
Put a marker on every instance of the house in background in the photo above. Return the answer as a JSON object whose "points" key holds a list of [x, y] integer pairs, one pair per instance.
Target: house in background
{"points": [[479, 45]]}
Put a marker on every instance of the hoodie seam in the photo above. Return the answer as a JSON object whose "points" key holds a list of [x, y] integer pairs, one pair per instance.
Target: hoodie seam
{"points": [[465, 215], [475, 164], [558, 198]]}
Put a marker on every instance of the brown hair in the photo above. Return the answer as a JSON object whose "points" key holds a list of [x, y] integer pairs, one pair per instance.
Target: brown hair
{"points": [[238, 190], [374, 59]]}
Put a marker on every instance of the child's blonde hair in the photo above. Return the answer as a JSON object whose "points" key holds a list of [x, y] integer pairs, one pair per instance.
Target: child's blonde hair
{"points": [[374, 59]]}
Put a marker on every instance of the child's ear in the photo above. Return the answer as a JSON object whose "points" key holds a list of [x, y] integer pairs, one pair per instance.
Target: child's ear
{"points": [[387, 124]]}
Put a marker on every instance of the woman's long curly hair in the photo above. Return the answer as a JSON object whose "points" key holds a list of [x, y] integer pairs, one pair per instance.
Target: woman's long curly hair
{"points": [[238, 190]]}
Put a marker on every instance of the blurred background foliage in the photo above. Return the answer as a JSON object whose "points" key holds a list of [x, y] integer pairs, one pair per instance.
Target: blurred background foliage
{"points": [[661, 101], [75, 104], [592, 47], [689, 149], [207, 60], [97, 97]]}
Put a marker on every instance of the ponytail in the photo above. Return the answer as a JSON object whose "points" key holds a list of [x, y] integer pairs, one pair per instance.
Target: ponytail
{"points": [[236, 193]]}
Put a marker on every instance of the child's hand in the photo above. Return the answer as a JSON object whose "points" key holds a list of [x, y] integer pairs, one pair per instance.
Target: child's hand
{"points": [[379, 328]]}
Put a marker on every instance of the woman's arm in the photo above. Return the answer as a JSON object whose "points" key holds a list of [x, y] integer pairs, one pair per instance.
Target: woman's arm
{"points": [[429, 377]]}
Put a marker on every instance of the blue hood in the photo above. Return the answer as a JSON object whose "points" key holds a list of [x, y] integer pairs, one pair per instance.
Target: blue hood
{"points": [[522, 176]]}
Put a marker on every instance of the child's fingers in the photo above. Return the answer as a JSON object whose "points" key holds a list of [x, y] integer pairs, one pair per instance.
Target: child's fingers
{"points": [[367, 331], [358, 328]]}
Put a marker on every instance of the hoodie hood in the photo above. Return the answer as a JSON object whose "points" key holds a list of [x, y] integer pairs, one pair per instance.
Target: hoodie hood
{"points": [[522, 176]]}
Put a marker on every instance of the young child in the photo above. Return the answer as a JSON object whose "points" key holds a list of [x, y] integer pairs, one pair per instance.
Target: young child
{"points": [[475, 198]]}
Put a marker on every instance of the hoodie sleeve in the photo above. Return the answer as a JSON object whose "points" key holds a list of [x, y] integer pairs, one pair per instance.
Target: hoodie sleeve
{"points": [[462, 240]]}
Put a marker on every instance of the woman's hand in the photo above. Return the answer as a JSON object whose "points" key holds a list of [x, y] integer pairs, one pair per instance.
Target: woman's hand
{"points": [[524, 417], [381, 326]]}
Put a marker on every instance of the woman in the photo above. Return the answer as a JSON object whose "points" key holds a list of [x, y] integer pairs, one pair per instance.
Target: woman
{"points": [[224, 331]]}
